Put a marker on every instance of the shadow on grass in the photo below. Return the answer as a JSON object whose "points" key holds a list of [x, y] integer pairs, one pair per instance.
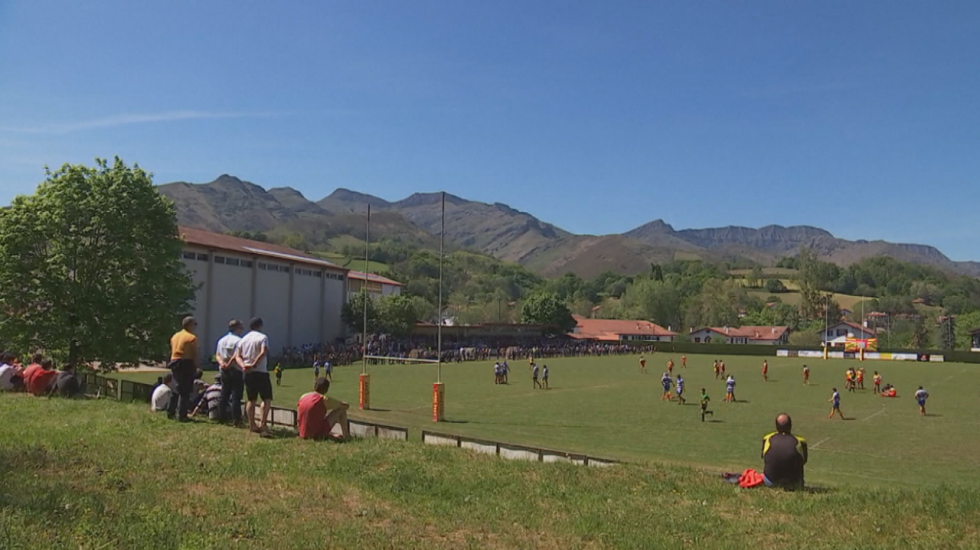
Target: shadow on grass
{"points": [[713, 421], [456, 421], [372, 409], [933, 415]]}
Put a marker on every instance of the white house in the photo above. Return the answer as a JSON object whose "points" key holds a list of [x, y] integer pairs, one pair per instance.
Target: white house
{"points": [[837, 334], [376, 284], [615, 330], [755, 335], [298, 297]]}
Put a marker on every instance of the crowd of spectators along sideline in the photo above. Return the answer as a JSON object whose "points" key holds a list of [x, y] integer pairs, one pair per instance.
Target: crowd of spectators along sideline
{"points": [[39, 377], [454, 351]]}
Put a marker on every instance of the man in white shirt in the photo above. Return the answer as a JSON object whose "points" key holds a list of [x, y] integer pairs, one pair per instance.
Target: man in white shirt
{"points": [[7, 372], [232, 381], [160, 400], [252, 357]]}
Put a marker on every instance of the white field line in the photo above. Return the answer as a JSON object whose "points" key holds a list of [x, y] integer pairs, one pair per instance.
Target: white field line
{"points": [[874, 415], [821, 442]]}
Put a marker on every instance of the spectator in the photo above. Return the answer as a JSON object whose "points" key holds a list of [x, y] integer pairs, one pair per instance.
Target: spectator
{"points": [[211, 400], [42, 381], [67, 383], [253, 357], [162, 394], [11, 378], [316, 414], [785, 455], [183, 365], [32, 369], [232, 378], [200, 386]]}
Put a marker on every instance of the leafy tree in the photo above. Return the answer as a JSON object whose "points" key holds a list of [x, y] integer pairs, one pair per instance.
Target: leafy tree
{"points": [[352, 313], [547, 309], [775, 286], [809, 287], [808, 337], [398, 314], [717, 304], [658, 301], [755, 277], [947, 332], [919, 338], [90, 266], [964, 324]]}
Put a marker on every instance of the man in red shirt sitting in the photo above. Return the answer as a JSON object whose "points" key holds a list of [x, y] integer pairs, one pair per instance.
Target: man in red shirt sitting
{"points": [[317, 414], [32, 369], [43, 380]]}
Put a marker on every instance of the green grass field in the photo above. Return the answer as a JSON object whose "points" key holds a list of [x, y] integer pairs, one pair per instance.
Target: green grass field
{"points": [[605, 407], [100, 474]]}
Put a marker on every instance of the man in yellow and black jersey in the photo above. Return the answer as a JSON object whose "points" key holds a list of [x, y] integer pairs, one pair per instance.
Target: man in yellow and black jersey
{"points": [[785, 455]]}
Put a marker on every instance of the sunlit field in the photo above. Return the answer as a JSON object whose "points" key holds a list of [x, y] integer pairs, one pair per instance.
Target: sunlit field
{"points": [[605, 407]]}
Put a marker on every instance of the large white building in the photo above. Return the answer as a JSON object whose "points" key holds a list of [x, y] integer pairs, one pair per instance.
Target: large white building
{"points": [[298, 297]]}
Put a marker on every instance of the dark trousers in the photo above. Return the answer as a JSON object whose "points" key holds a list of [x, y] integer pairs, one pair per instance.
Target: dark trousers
{"points": [[232, 387], [180, 400]]}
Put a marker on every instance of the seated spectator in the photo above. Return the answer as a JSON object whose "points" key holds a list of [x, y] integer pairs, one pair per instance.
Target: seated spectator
{"points": [[160, 400], [10, 377], [316, 414], [784, 455], [32, 369], [67, 384], [42, 381], [211, 400], [199, 387]]}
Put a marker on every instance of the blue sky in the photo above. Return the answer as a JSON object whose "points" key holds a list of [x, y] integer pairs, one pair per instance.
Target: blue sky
{"points": [[858, 117]]}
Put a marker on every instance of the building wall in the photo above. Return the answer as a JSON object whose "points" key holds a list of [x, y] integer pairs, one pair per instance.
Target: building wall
{"points": [[334, 298], [196, 262], [306, 305]]}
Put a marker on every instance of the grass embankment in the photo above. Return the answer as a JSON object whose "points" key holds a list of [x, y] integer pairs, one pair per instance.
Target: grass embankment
{"points": [[99, 474]]}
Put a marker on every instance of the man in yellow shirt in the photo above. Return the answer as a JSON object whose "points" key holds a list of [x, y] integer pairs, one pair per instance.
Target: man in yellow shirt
{"points": [[183, 365]]}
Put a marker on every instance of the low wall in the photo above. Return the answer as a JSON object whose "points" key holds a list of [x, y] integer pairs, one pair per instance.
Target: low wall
{"points": [[511, 451]]}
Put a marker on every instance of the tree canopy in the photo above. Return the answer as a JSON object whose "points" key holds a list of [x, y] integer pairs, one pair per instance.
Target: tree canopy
{"points": [[90, 263]]}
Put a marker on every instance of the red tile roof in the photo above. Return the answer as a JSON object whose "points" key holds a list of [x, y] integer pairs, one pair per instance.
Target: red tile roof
{"points": [[854, 326], [614, 329], [359, 275], [750, 332], [217, 241]]}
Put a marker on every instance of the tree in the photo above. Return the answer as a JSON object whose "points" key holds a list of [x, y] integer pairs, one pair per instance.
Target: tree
{"points": [[919, 339], [546, 308], [90, 266], [947, 332], [775, 286], [809, 290], [804, 338], [398, 314], [755, 277], [352, 313]]}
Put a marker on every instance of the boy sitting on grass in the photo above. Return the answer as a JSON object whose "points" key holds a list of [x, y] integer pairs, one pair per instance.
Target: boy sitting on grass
{"points": [[316, 414]]}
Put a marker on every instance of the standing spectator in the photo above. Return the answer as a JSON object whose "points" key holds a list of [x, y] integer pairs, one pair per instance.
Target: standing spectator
{"points": [[162, 394], [183, 365], [232, 380], [42, 381], [67, 384], [252, 356]]}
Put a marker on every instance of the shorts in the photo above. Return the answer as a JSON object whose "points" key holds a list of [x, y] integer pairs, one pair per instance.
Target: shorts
{"points": [[258, 384], [922, 402]]}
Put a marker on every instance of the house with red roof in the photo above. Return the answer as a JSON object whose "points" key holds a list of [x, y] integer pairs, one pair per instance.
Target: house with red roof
{"points": [[838, 333], [376, 285], [754, 335], [617, 330]]}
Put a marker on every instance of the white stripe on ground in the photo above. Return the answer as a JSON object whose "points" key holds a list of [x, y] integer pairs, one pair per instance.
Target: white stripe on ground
{"points": [[821, 442], [874, 415]]}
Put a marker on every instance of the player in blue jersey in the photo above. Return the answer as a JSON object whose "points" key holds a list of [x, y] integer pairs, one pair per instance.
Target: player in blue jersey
{"points": [[730, 389], [497, 379], [680, 391], [835, 399], [504, 369], [667, 382], [544, 376], [920, 396]]}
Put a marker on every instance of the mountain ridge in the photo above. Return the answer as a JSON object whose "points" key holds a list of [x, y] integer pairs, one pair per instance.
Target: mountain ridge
{"points": [[232, 204]]}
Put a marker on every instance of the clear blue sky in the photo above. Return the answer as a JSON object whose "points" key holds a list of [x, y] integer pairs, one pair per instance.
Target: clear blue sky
{"points": [[859, 117]]}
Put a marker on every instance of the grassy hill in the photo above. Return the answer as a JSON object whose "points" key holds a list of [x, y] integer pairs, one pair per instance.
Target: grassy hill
{"points": [[97, 474]]}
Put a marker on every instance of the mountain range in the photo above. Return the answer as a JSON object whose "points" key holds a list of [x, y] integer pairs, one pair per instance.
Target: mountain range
{"points": [[230, 204]]}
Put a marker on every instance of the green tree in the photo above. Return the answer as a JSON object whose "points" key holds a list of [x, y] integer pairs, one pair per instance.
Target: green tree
{"points": [[947, 332], [398, 314], [919, 339], [755, 277], [810, 298], [545, 308], [90, 266], [775, 286], [352, 313]]}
